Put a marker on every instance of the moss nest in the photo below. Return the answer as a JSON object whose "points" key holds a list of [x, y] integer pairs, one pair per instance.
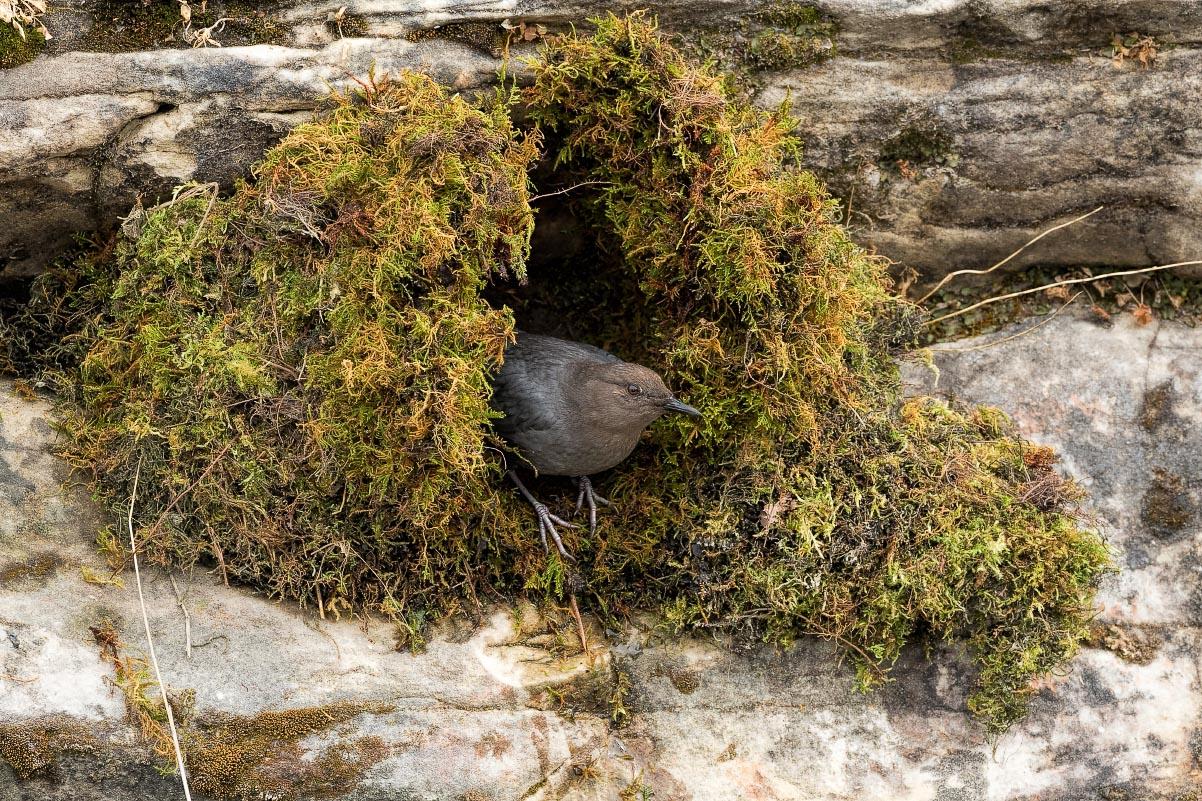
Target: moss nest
{"points": [[295, 378]]}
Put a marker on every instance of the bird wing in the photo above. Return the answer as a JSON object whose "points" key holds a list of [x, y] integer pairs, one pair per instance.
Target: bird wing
{"points": [[528, 388]]}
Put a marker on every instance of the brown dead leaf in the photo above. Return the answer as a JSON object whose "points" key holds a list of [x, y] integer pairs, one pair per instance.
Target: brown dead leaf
{"points": [[1057, 292], [774, 510], [1142, 314]]}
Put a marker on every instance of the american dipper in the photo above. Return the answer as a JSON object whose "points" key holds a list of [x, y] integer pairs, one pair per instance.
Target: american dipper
{"points": [[573, 410]]}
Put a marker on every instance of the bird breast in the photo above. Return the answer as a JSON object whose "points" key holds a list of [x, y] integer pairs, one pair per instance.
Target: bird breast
{"points": [[571, 450]]}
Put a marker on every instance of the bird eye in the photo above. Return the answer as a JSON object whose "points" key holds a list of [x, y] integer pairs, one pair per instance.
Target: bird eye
{"points": [[634, 389]]}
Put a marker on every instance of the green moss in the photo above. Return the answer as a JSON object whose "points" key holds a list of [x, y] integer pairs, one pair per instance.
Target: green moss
{"points": [[240, 757], [120, 26], [31, 747], [793, 14], [15, 49], [298, 376], [919, 144], [261, 756], [603, 691], [798, 35], [488, 38], [774, 50]]}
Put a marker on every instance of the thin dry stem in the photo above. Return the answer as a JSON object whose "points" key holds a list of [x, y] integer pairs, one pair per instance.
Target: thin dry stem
{"points": [[943, 281], [1022, 333], [154, 661], [1069, 282]]}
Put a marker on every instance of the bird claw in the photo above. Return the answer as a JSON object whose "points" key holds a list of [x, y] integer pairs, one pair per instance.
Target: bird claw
{"points": [[547, 523], [586, 494]]}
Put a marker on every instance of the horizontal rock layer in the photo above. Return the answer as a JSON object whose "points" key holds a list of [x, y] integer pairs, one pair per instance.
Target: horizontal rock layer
{"points": [[954, 129], [472, 718]]}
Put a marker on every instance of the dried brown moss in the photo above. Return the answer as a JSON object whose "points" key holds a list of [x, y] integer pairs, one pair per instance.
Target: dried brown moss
{"points": [[32, 747]]}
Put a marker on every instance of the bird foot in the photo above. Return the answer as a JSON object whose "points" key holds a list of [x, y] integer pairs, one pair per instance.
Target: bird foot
{"points": [[546, 525], [586, 494], [546, 521]]}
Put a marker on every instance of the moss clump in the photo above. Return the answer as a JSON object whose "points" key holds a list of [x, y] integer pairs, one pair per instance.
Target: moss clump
{"points": [[603, 691], [488, 38], [237, 757], [1166, 507], [31, 747], [36, 568], [798, 35], [919, 144], [1157, 406], [299, 376], [261, 756], [316, 352], [1132, 644], [120, 26], [16, 49]]}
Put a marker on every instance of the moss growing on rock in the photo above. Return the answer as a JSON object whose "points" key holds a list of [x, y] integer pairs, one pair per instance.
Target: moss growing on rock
{"points": [[31, 747], [299, 376], [228, 756], [16, 49], [796, 35], [120, 26], [923, 143]]}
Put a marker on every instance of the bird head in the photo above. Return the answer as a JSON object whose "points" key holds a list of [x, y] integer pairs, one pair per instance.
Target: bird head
{"points": [[623, 396]]}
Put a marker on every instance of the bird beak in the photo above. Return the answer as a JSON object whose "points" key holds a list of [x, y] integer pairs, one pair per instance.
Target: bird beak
{"points": [[674, 405]]}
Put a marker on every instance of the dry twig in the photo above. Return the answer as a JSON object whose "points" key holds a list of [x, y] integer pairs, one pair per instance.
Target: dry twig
{"points": [[154, 661], [1004, 340], [580, 630], [1068, 282], [943, 281]]}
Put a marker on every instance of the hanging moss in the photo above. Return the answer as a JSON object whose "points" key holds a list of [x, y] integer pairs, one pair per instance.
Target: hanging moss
{"points": [[296, 379]]}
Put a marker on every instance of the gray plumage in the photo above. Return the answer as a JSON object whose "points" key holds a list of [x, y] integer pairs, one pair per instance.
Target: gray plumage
{"points": [[571, 409]]}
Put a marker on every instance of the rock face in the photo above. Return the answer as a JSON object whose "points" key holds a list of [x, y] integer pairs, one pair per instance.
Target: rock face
{"points": [[506, 711], [955, 129]]}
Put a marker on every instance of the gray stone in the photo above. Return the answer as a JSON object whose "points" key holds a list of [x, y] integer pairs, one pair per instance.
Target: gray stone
{"points": [[1017, 115], [470, 714]]}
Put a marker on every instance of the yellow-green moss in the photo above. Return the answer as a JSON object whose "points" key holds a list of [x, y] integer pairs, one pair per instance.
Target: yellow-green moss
{"points": [[299, 373], [16, 49]]}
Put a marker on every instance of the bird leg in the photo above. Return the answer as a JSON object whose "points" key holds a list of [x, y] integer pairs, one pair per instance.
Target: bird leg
{"points": [[546, 521], [586, 494]]}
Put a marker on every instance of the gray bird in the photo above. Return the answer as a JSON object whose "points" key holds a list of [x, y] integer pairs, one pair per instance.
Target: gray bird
{"points": [[571, 409]]}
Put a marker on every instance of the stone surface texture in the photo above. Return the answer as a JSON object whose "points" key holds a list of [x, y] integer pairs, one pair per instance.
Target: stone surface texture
{"points": [[955, 129], [471, 718]]}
